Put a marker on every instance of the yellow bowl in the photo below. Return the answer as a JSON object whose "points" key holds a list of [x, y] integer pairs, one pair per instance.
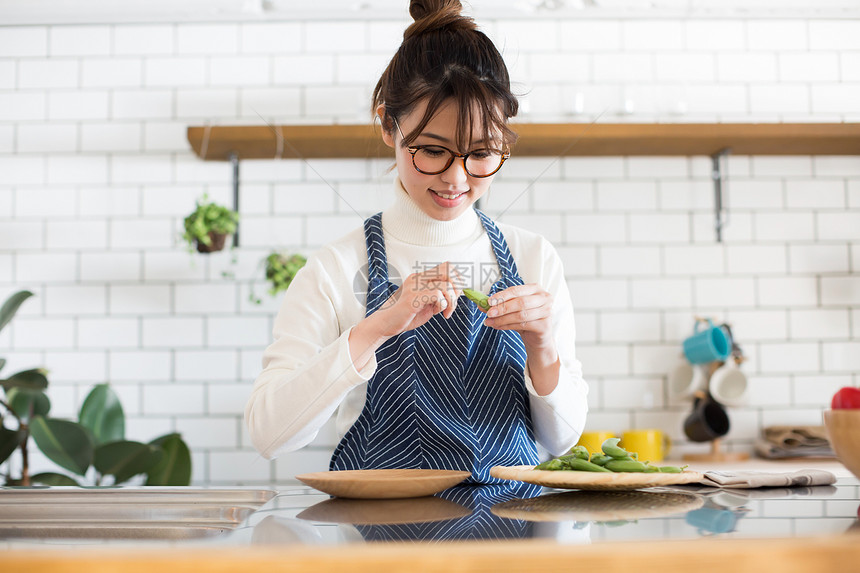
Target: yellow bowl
{"points": [[843, 428]]}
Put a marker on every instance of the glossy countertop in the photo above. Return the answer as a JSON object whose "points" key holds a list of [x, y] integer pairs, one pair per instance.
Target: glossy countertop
{"points": [[301, 529], [303, 516]]}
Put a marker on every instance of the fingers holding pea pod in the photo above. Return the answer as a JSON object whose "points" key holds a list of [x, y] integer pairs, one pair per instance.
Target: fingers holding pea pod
{"points": [[479, 298], [421, 296]]}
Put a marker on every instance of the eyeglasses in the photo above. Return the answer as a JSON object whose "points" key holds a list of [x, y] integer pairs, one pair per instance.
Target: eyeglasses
{"points": [[435, 159]]}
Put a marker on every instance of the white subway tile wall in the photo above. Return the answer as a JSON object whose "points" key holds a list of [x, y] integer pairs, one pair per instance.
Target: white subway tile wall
{"points": [[97, 176]]}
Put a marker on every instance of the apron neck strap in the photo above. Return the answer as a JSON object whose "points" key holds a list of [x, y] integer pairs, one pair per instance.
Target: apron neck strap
{"points": [[507, 266]]}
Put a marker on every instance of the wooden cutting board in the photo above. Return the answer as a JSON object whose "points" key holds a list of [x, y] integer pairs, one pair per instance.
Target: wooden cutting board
{"points": [[593, 480]]}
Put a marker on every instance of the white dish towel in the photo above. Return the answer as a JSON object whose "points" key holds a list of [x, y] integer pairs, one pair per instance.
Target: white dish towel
{"points": [[751, 479]]}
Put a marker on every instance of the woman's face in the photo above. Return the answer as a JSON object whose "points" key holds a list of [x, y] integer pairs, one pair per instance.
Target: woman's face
{"points": [[447, 195]]}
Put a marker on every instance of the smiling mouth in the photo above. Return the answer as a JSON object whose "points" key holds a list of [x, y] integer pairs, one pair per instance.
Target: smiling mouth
{"points": [[449, 196]]}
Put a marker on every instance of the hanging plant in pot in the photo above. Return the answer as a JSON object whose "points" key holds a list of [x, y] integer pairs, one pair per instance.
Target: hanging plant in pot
{"points": [[281, 269], [209, 225]]}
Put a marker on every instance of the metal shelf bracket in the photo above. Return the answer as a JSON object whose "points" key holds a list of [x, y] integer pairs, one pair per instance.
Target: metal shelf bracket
{"points": [[234, 160], [717, 176]]}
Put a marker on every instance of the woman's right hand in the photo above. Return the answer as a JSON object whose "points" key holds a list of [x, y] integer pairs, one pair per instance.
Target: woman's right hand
{"points": [[420, 297]]}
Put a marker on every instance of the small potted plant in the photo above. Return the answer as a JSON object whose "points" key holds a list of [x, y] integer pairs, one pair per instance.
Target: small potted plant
{"points": [[281, 269], [209, 225]]}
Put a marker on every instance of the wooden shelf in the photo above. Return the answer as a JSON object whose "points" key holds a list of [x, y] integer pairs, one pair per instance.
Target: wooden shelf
{"points": [[540, 140], [688, 139], [298, 141]]}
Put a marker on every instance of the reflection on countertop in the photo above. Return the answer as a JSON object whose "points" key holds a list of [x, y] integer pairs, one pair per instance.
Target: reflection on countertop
{"points": [[458, 513], [302, 517], [496, 512], [599, 506]]}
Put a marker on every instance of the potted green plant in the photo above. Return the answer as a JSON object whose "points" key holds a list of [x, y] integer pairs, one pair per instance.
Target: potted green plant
{"points": [[96, 439], [281, 269], [209, 225]]}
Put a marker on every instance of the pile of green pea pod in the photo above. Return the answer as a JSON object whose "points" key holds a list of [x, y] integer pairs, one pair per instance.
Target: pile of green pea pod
{"points": [[613, 459]]}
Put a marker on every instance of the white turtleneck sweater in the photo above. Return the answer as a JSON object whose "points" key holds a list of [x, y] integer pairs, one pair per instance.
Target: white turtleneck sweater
{"points": [[308, 373]]}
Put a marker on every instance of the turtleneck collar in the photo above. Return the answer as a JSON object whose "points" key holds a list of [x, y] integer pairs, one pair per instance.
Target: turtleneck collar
{"points": [[405, 221]]}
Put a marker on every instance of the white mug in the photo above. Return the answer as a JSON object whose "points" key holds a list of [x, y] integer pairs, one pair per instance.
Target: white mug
{"points": [[686, 379], [728, 385]]}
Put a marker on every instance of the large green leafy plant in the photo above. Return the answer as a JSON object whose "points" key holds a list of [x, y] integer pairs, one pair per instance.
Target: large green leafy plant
{"points": [[96, 439]]}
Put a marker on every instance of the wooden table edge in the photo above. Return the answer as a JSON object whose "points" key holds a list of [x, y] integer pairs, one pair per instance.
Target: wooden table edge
{"points": [[835, 553]]}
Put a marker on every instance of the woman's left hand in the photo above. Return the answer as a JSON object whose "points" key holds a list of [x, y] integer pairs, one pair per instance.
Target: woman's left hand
{"points": [[526, 309]]}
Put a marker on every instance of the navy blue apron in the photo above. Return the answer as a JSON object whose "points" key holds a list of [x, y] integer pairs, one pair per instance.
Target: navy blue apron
{"points": [[449, 394]]}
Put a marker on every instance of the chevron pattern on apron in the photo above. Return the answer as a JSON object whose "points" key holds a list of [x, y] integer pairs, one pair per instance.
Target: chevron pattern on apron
{"points": [[449, 394]]}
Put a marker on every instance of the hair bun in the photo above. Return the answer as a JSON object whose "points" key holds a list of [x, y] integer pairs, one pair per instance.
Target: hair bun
{"points": [[432, 15], [420, 9]]}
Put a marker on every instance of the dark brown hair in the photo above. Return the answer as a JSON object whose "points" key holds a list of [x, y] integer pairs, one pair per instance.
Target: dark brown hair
{"points": [[444, 57]]}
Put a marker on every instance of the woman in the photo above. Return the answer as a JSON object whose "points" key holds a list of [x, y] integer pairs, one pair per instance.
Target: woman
{"points": [[419, 376]]}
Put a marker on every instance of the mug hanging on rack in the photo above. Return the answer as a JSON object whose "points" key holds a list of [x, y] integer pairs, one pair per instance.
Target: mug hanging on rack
{"points": [[686, 379], [709, 345], [728, 385], [708, 420]]}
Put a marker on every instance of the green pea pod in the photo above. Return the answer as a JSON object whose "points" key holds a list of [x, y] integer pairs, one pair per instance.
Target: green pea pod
{"points": [[479, 298], [615, 523], [600, 459], [551, 465], [585, 466], [649, 469], [610, 448], [670, 470], [579, 451], [567, 460], [625, 466]]}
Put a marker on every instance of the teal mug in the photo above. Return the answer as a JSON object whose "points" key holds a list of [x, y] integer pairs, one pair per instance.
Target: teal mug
{"points": [[709, 345]]}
